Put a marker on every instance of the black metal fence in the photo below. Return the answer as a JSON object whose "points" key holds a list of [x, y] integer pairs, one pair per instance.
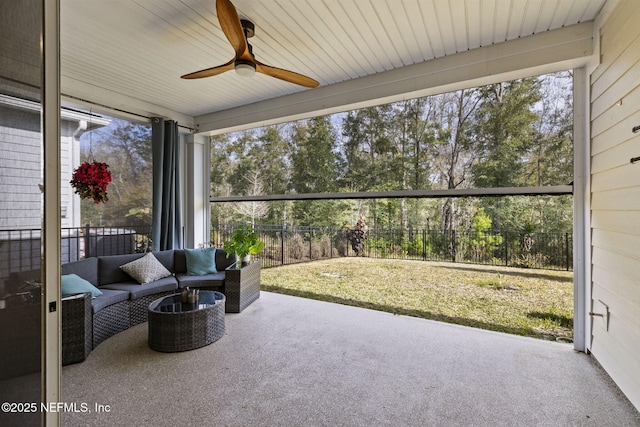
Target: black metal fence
{"points": [[292, 244], [20, 249]]}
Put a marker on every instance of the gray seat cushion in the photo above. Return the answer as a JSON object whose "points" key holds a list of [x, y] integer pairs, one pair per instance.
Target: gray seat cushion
{"points": [[108, 297], [109, 266], [136, 290], [206, 280], [85, 268]]}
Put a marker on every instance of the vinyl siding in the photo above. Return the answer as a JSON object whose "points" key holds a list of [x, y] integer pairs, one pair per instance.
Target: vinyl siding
{"points": [[20, 170], [615, 199]]}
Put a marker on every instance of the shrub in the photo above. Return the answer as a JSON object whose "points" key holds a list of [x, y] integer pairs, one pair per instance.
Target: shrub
{"points": [[325, 246], [316, 250], [297, 246]]}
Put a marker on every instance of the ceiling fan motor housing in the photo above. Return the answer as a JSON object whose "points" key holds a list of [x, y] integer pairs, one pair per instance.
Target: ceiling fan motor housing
{"points": [[248, 28]]}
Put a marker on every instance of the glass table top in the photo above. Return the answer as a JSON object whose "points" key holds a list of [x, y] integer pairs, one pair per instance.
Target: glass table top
{"points": [[173, 303]]}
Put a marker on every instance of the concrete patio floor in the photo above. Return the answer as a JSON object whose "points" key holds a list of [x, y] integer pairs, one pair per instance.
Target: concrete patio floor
{"points": [[288, 361]]}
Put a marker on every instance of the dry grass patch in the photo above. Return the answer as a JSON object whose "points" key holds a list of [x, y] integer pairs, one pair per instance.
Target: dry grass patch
{"points": [[536, 303]]}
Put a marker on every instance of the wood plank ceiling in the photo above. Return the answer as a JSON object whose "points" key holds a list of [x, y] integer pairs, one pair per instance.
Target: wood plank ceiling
{"points": [[119, 52]]}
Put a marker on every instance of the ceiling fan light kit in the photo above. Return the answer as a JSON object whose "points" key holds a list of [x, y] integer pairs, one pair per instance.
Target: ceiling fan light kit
{"points": [[245, 68], [244, 62]]}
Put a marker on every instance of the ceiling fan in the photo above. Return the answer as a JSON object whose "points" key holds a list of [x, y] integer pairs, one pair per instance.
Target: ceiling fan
{"points": [[245, 64]]}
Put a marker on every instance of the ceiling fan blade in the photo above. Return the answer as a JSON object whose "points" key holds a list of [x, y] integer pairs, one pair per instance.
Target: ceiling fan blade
{"points": [[208, 72], [288, 76], [232, 28]]}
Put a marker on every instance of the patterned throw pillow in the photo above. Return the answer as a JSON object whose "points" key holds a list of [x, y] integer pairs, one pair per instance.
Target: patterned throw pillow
{"points": [[146, 269]]}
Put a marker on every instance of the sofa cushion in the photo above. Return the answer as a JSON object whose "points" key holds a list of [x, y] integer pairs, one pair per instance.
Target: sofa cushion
{"points": [[109, 268], [166, 258], [146, 269], [222, 261], [72, 284], [205, 280], [201, 261], [108, 297], [85, 268], [136, 291]]}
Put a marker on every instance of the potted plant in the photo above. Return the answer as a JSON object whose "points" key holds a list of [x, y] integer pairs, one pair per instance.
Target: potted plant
{"points": [[244, 243]]}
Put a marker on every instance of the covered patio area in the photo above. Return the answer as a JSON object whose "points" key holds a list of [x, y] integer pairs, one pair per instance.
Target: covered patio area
{"points": [[289, 361]]}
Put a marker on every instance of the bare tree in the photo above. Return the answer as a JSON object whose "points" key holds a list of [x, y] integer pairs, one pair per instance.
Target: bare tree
{"points": [[253, 210]]}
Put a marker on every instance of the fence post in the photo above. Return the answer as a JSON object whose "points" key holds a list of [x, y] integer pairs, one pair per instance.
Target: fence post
{"points": [[566, 248], [310, 240], [87, 242], [424, 244], [506, 248], [453, 245], [332, 232], [284, 230]]}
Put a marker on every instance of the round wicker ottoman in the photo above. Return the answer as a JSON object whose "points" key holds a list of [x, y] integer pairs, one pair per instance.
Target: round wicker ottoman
{"points": [[174, 326]]}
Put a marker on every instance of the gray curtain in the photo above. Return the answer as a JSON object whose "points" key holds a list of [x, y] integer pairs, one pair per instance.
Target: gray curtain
{"points": [[166, 230]]}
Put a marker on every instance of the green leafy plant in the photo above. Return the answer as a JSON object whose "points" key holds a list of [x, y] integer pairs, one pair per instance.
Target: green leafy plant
{"points": [[244, 241]]}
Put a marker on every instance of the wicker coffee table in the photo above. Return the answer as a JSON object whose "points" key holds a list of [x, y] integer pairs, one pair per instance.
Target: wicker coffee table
{"points": [[174, 326]]}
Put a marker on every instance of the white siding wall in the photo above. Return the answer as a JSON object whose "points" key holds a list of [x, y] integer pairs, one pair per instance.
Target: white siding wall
{"points": [[70, 216], [615, 199], [20, 170]]}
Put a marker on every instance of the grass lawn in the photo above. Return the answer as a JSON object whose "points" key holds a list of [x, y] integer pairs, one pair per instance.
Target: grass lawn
{"points": [[535, 303]]}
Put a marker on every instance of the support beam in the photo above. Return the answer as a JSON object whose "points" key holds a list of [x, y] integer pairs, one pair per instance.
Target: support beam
{"points": [[581, 212], [51, 316], [117, 104], [408, 194], [196, 190], [556, 50]]}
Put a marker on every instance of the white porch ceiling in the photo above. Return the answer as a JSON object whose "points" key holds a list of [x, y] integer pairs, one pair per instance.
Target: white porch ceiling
{"points": [[130, 54]]}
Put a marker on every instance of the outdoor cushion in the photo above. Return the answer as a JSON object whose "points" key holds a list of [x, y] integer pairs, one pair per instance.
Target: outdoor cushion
{"points": [[136, 291], [85, 268], [109, 268], [205, 280], [72, 284], [222, 261], [201, 261], [146, 269], [108, 297], [166, 258]]}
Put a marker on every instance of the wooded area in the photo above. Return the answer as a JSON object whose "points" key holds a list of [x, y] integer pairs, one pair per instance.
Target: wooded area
{"points": [[516, 133]]}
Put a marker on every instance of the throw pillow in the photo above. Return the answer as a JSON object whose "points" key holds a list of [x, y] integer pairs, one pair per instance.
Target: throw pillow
{"points": [[145, 269], [201, 261], [72, 284]]}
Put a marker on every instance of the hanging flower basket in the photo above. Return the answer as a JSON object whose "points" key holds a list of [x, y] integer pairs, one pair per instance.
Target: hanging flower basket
{"points": [[90, 181]]}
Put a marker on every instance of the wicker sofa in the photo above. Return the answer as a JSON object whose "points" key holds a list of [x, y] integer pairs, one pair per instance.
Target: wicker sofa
{"points": [[86, 321]]}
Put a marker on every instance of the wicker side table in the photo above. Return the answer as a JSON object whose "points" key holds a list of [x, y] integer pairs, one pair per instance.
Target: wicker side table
{"points": [[241, 286], [174, 326]]}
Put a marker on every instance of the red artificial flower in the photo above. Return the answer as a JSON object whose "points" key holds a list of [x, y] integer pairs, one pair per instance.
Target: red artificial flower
{"points": [[90, 181]]}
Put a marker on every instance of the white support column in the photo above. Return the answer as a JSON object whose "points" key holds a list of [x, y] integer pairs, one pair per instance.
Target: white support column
{"points": [[197, 183], [581, 211], [51, 318]]}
